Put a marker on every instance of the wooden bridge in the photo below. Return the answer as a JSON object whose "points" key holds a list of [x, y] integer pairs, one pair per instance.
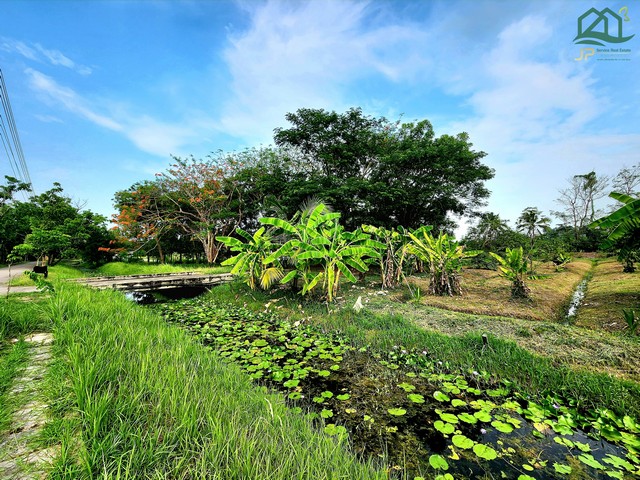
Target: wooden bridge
{"points": [[162, 281]]}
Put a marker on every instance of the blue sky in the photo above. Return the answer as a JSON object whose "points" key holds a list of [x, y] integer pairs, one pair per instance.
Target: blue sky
{"points": [[104, 92]]}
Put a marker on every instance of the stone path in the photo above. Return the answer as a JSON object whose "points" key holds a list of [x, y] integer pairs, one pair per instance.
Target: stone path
{"points": [[19, 460]]}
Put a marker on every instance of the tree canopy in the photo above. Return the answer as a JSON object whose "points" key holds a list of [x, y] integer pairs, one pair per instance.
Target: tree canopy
{"points": [[385, 173]]}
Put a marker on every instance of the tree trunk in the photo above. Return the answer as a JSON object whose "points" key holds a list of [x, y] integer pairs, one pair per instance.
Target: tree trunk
{"points": [[159, 248], [211, 248]]}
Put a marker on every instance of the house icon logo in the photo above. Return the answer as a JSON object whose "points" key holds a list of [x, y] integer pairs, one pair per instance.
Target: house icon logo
{"points": [[597, 27]]}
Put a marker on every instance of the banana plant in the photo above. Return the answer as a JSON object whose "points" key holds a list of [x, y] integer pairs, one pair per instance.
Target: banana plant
{"points": [[392, 256], [322, 251], [444, 257], [249, 263], [513, 266]]}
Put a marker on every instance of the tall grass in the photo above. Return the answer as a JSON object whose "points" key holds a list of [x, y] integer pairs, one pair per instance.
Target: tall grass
{"points": [[153, 403], [19, 317], [532, 374], [12, 359]]}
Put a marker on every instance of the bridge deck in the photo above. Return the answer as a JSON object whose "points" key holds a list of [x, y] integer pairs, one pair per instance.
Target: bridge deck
{"points": [[142, 283]]}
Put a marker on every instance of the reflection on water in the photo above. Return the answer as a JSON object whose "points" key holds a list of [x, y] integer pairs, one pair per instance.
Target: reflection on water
{"points": [[165, 295]]}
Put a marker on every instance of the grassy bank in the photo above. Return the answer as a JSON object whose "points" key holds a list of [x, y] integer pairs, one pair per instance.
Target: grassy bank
{"points": [[136, 398], [534, 374], [17, 318], [486, 293], [138, 268], [63, 271], [608, 293], [12, 358]]}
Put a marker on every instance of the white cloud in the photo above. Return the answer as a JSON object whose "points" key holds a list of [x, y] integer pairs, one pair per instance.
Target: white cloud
{"points": [[54, 92], [145, 132], [38, 53], [307, 54], [533, 117]]}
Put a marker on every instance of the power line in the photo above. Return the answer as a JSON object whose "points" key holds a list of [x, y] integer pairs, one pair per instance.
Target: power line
{"points": [[10, 139]]}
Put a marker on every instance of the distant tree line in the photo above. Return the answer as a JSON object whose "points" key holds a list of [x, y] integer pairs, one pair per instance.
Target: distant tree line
{"points": [[48, 227], [582, 226], [371, 170]]}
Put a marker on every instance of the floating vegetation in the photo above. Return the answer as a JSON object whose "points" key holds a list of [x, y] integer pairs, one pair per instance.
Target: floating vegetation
{"points": [[404, 406]]}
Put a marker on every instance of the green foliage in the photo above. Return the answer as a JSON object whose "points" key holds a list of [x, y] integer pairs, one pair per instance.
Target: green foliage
{"points": [[444, 257], [623, 227], [56, 229], [513, 267], [249, 262], [383, 173], [532, 222], [632, 320], [560, 260], [392, 256], [147, 400], [321, 250]]}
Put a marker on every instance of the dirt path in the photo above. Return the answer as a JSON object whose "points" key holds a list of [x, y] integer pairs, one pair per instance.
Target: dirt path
{"points": [[19, 459]]}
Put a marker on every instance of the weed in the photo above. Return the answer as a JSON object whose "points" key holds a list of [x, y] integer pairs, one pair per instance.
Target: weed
{"points": [[632, 320]]}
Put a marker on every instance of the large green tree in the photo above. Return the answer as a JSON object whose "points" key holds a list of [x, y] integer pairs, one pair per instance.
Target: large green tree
{"points": [[385, 173], [14, 216], [58, 229]]}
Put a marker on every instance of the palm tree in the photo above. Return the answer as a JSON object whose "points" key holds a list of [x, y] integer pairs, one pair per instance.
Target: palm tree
{"points": [[589, 185], [490, 227], [532, 222]]}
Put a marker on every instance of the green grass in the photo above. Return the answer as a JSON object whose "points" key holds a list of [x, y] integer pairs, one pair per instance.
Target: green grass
{"points": [[608, 293], [136, 398], [12, 358], [533, 374], [19, 316], [57, 272], [122, 268]]}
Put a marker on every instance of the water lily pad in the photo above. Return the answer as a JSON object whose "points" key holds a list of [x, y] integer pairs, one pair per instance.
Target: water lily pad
{"points": [[291, 383], [441, 397], [398, 412], [618, 462], [583, 446], [562, 469], [326, 413], [484, 451], [443, 427], [343, 397], [438, 462], [449, 417], [327, 394], [456, 402], [462, 441], [502, 426], [333, 429], [468, 418], [407, 387], [446, 476], [324, 373], [483, 416], [415, 398], [588, 459], [295, 395], [525, 477]]}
